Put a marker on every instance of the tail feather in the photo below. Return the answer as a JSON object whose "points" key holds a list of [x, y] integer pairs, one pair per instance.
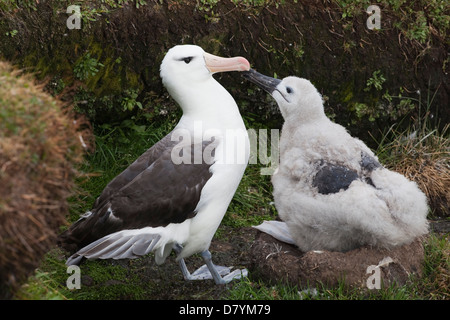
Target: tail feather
{"points": [[125, 244], [74, 260], [88, 229]]}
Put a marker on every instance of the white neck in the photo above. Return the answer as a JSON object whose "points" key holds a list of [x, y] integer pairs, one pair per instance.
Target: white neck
{"points": [[208, 103]]}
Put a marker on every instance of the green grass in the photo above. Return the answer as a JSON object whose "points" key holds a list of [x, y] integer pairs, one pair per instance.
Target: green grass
{"points": [[422, 153], [100, 280]]}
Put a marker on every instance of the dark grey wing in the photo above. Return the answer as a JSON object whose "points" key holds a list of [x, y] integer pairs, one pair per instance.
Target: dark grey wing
{"points": [[163, 193], [331, 178], [368, 164], [137, 167]]}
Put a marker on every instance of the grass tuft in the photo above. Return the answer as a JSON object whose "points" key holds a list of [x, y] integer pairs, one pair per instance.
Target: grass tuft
{"points": [[423, 155]]}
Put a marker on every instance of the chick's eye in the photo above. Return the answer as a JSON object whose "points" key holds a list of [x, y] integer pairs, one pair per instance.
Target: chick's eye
{"points": [[187, 59], [289, 90]]}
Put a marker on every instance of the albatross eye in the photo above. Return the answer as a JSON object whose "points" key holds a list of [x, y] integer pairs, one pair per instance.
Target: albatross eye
{"points": [[289, 90], [187, 59]]}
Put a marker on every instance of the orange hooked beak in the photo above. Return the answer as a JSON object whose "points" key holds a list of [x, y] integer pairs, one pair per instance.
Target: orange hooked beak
{"points": [[219, 64]]}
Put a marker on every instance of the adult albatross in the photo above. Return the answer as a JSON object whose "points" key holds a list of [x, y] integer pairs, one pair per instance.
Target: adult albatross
{"points": [[175, 195], [330, 188]]}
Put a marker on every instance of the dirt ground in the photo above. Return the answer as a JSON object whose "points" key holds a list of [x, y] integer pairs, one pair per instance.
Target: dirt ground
{"points": [[166, 282], [236, 248]]}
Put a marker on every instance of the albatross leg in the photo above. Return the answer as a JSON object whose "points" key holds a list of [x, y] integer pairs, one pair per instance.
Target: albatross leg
{"points": [[220, 274], [218, 271], [186, 274], [184, 270]]}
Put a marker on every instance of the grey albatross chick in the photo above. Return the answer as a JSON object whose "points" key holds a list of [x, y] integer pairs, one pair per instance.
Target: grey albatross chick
{"points": [[175, 195], [330, 188]]}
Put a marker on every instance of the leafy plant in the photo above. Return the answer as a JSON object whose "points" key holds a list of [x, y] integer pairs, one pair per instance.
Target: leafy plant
{"points": [[12, 33], [140, 3], [10, 5], [87, 67], [256, 3], [418, 29], [375, 81], [299, 50], [129, 101], [207, 7], [351, 8]]}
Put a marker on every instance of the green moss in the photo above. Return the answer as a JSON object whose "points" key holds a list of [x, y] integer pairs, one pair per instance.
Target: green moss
{"points": [[214, 42], [347, 92], [99, 280], [113, 77], [132, 80]]}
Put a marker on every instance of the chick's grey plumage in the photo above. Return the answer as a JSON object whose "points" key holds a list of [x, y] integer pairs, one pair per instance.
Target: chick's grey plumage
{"points": [[330, 188]]}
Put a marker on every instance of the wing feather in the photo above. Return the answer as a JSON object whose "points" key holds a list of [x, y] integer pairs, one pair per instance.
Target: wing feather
{"points": [[162, 193], [120, 245], [333, 178]]}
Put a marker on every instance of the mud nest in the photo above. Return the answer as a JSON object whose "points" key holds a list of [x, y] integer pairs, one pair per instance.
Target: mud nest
{"points": [[39, 147], [277, 261]]}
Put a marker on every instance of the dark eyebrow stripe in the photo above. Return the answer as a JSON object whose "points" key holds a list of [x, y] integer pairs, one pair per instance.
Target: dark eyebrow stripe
{"points": [[182, 59]]}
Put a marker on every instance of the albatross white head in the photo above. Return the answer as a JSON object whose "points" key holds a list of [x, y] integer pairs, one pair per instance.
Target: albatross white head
{"points": [[187, 70], [297, 98]]}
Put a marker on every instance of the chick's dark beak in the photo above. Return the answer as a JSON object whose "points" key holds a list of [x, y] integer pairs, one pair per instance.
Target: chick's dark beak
{"points": [[264, 82]]}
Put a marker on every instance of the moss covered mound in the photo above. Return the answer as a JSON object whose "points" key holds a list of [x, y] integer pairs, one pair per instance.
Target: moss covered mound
{"points": [[39, 146]]}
